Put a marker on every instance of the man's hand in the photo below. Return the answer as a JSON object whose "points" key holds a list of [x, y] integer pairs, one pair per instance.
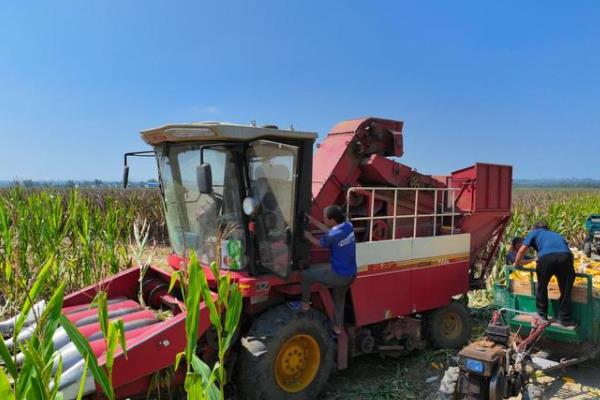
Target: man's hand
{"points": [[520, 255], [317, 223], [308, 236]]}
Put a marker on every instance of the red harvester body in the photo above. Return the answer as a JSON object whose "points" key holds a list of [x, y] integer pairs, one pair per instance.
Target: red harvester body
{"points": [[422, 240]]}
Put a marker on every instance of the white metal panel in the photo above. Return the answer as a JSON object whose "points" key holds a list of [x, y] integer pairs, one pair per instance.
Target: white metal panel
{"points": [[369, 253]]}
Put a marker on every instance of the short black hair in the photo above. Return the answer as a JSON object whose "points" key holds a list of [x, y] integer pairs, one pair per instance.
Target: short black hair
{"points": [[516, 240], [540, 225], [335, 213]]}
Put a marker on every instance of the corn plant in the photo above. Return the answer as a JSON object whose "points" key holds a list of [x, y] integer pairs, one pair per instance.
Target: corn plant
{"points": [[225, 306], [114, 336], [35, 376]]}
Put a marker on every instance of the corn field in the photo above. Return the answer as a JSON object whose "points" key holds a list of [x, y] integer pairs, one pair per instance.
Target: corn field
{"points": [[88, 233]]}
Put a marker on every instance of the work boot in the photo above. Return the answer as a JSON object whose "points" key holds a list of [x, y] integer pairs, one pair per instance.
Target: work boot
{"points": [[566, 323]]}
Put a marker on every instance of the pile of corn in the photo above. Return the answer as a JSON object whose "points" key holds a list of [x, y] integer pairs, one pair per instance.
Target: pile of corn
{"points": [[583, 265]]}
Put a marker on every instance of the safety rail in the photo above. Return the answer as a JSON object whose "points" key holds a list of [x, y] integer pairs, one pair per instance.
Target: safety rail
{"points": [[372, 191]]}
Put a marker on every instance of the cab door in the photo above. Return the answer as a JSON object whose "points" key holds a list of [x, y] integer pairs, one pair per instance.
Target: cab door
{"points": [[272, 169]]}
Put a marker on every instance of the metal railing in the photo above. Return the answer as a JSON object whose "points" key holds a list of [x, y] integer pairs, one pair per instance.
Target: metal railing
{"points": [[448, 200]]}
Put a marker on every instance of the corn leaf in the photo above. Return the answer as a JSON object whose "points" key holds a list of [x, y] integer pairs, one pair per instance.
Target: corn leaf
{"points": [[84, 348], [34, 292], [234, 309], [192, 307], [83, 377], [7, 359], [5, 389]]}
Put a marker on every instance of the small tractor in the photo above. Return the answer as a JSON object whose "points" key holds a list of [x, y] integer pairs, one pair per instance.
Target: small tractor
{"points": [[517, 343], [591, 246], [422, 242]]}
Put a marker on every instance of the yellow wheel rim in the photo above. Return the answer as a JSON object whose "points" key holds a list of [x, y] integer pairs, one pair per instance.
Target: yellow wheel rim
{"points": [[452, 325], [297, 363]]}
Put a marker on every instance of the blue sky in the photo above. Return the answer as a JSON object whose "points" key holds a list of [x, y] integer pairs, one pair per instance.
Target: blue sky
{"points": [[505, 82]]}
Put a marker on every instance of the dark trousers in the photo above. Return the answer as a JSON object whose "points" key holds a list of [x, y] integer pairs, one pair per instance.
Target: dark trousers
{"points": [[326, 276], [561, 266]]}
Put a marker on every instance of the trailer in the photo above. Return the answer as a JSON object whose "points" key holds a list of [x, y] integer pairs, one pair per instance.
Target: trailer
{"points": [[422, 241]]}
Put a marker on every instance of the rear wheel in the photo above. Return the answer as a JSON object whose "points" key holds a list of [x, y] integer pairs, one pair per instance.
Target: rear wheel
{"points": [[449, 327], [449, 386], [286, 355]]}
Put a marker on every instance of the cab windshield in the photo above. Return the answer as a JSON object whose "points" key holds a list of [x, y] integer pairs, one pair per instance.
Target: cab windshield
{"points": [[207, 223]]}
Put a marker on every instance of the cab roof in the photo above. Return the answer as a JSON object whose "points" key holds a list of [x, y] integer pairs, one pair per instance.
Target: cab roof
{"points": [[211, 130]]}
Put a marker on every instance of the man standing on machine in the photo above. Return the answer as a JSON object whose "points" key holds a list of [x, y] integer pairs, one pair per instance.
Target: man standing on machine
{"points": [[554, 259], [339, 274]]}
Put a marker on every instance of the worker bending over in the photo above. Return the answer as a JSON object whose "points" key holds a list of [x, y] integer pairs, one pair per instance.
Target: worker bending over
{"points": [[339, 274], [554, 259]]}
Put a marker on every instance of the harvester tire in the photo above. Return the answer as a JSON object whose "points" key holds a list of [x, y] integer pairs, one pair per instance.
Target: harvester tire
{"points": [[286, 354], [449, 386], [448, 327], [532, 392]]}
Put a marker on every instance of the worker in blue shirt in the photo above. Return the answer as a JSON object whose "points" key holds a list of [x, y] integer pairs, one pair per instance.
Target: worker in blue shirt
{"points": [[341, 271], [554, 259]]}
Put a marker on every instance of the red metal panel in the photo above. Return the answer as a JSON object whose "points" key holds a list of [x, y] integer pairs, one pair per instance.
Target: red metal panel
{"points": [[434, 287], [416, 288], [378, 297], [492, 187]]}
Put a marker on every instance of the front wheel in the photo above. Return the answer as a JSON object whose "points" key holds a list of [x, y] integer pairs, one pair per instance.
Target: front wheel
{"points": [[286, 355], [448, 327]]}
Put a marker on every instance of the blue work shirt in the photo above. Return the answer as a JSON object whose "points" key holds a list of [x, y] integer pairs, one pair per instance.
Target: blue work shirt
{"points": [[546, 242], [342, 245]]}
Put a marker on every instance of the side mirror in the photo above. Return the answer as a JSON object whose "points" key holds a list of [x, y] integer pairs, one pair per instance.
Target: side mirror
{"points": [[125, 175], [204, 178]]}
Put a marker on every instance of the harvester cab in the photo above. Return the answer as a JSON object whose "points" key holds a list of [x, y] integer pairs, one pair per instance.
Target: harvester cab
{"points": [[241, 191]]}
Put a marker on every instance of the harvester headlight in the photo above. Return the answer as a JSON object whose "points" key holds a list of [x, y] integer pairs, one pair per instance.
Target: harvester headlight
{"points": [[474, 365], [249, 205]]}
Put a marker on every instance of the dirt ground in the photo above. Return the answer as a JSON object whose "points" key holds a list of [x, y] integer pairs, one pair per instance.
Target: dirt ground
{"points": [[418, 376]]}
